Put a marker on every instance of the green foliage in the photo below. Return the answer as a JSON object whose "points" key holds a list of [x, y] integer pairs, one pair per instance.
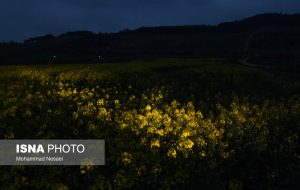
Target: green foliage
{"points": [[208, 126]]}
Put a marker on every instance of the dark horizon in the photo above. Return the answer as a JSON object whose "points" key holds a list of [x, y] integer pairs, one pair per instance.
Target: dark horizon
{"points": [[22, 20], [138, 27]]}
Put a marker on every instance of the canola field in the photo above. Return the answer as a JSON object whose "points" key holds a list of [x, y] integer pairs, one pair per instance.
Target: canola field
{"points": [[168, 124]]}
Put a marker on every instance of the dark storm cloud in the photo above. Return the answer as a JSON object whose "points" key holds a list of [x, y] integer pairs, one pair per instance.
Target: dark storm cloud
{"points": [[21, 19]]}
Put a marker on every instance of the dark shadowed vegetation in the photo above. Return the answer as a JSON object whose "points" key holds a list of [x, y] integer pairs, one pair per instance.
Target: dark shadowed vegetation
{"points": [[168, 124]]}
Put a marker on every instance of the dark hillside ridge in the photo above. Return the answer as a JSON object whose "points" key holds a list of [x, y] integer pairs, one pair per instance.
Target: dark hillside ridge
{"points": [[266, 38]]}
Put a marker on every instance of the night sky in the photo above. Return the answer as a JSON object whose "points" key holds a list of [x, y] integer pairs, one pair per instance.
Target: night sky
{"points": [[21, 19]]}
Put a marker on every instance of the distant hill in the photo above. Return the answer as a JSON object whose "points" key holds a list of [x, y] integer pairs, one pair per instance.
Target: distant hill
{"points": [[263, 39]]}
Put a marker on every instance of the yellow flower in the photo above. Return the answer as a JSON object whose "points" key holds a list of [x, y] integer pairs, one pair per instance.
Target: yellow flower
{"points": [[126, 158], [87, 166], [74, 91], [172, 153], [185, 133], [100, 102], [150, 129], [189, 144], [160, 132], [123, 126], [131, 97], [192, 124], [186, 144], [92, 127], [102, 112], [177, 112], [148, 108], [202, 154], [143, 121], [174, 104], [201, 142], [155, 143]]}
